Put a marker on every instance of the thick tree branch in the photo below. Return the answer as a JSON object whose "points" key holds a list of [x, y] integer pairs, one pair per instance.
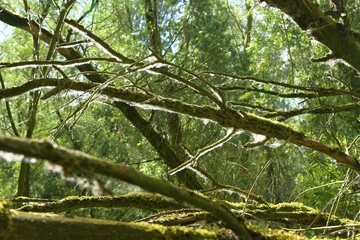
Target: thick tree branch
{"points": [[289, 214], [45, 226], [79, 163], [225, 117], [152, 67], [60, 64], [336, 35], [137, 200], [159, 144]]}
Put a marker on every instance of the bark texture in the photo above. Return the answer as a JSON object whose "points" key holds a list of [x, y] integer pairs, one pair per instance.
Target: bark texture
{"points": [[336, 34]]}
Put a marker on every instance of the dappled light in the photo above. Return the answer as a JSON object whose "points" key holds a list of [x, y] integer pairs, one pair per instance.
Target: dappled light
{"points": [[179, 119]]}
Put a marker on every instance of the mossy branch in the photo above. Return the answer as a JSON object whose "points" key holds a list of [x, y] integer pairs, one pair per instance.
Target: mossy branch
{"points": [[162, 145], [145, 201], [45, 226], [82, 164], [289, 214], [150, 67], [225, 117], [336, 35]]}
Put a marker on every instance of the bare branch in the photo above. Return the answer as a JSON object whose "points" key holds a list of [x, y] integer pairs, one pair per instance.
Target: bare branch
{"points": [[193, 161], [317, 92], [98, 41]]}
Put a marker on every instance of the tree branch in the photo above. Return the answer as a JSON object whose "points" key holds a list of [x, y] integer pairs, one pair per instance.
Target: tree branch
{"points": [[315, 110], [138, 200], [82, 164], [225, 117], [32, 226], [335, 35], [90, 73], [160, 144]]}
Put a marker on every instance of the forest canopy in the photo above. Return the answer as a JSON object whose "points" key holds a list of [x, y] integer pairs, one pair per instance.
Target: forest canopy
{"points": [[179, 119]]}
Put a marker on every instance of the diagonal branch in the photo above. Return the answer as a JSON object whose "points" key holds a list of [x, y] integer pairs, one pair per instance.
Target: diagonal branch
{"points": [[336, 35], [35, 30], [136, 200], [90, 73], [151, 67], [225, 117], [162, 146], [76, 162], [100, 43]]}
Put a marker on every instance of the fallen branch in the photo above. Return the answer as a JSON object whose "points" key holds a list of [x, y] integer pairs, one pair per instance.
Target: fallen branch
{"points": [[82, 164], [145, 201]]}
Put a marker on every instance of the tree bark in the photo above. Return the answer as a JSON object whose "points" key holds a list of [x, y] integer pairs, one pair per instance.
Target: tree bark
{"points": [[85, 165], [33, 226], [338, 36], [225, 117]]}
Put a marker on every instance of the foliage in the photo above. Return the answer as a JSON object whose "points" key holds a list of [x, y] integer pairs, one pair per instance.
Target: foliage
{"points": [[239, 101]]}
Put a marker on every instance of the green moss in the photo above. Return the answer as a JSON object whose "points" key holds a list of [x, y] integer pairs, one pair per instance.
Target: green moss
{"points": [[191, 233], [177, 232], [285, 207], [71, 198], [279, 234], [293, 206]]}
